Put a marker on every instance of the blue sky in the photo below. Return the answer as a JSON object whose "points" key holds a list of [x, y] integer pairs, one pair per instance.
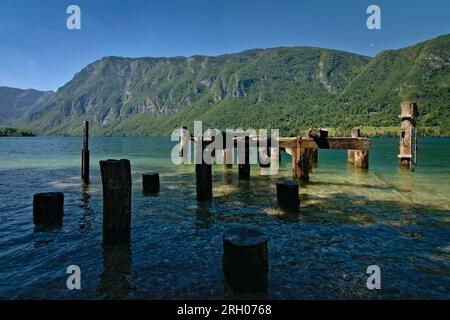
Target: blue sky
{"points": [[38, 51]]}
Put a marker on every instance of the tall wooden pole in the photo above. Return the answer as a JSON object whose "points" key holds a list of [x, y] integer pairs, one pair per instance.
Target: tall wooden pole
{"points": [[85, 154], [408, 139]]}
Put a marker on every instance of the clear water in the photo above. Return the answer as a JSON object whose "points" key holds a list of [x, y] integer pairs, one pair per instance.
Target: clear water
{"points": [[349, 219]]}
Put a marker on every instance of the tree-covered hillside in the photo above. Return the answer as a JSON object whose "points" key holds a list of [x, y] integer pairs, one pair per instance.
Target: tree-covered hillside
{"points": [[287, 88]]}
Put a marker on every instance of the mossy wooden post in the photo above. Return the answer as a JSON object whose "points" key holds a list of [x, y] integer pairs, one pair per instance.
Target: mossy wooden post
{"points": [[116, 181], [203, 172], [150, 182], [362, 159], [244, 168], [287, 196], [85, 154], [351, 153], [245, 259], [359, 158], [408, 139], [300, 162], [48, 208]]}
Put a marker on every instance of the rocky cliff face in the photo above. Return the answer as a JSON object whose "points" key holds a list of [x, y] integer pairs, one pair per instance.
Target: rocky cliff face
{"points": [[17, 104]]}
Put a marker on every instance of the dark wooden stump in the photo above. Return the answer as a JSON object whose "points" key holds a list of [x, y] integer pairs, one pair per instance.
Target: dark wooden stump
{"points": [[244, 163], [203, 172], [245, 259], [48, 208], [150, 182], [287, 196], [116, 180]]}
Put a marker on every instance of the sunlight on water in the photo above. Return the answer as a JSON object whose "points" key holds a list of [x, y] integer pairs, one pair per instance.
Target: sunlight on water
{"points": [[349, 219]]}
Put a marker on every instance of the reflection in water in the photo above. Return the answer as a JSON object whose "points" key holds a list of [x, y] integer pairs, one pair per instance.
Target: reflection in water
{"points": [[203, 212], [230, 294], [116, 268], [47, 227], [87, 217]]}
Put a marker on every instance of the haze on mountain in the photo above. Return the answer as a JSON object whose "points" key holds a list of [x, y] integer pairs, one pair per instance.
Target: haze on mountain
{"points": [[288, 88]]}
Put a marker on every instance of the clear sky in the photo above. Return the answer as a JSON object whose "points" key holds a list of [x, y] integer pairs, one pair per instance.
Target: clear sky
{"points": [[38, 51]]}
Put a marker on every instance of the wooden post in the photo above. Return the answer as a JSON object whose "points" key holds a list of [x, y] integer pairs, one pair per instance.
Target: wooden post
{"points": [[361, 159], [351, 153], [300, 162], [150, 182], [287, 196], [48, 208], [408, 139], [245, 259], [244, 168], [203, 172], [116, 181], [315, 155], [85, 154]]}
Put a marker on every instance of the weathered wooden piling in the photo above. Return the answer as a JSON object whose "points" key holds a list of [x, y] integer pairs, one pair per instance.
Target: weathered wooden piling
{"points": [[287, 196], [315, 155], [48, 208], [150, 182], [116, 181], [351, 153], [408, 138], [203, 172], [359, 158], [85, 154], [300, 162], [362, 159], [244, 168], [245, 259]]}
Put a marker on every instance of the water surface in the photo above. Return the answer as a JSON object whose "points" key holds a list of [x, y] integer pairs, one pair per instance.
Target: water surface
{"points": [[349, 219]]}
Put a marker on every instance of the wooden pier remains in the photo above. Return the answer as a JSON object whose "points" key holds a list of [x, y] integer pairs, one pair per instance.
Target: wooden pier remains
{"points": [[303, 150], [408, 135]]}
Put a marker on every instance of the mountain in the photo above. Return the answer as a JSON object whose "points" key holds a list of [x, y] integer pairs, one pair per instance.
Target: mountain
{"points": [[17, 104], [290, 88]]}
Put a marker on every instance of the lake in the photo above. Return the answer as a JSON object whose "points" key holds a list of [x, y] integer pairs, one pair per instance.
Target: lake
{"points": [[349, 219]]}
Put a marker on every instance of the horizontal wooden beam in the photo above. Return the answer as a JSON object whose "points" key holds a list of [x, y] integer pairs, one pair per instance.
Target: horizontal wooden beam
{"points": [[319, 143], [336, 143]]}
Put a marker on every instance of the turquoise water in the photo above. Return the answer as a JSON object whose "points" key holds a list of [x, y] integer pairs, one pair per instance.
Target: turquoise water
{"points": [[349, 219]]}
